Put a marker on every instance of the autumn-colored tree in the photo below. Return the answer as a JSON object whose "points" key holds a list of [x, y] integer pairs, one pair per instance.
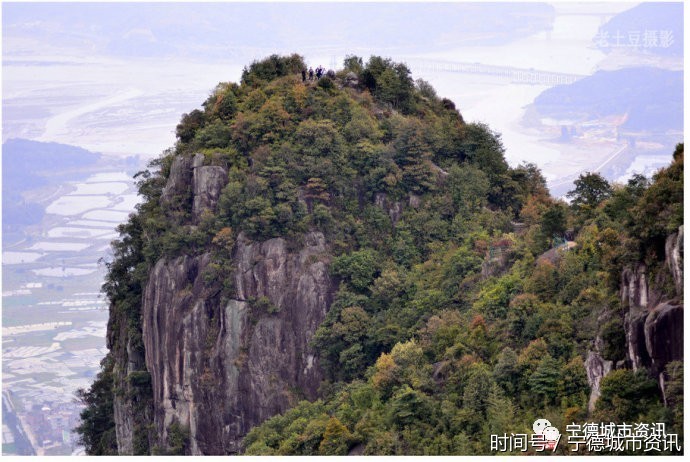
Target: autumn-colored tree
{"points": [[335, 439]]}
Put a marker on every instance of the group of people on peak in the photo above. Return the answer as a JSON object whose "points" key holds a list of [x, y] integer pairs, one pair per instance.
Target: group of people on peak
{"points": [[319, 72]]}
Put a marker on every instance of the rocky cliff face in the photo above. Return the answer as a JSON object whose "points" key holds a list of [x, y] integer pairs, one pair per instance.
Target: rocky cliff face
{"points": [[653, 317], [208, 181], [221, 363], [597, 368], [191, 179], [131, 407]]}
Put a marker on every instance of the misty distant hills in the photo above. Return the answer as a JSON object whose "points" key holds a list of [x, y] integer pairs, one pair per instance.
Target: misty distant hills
{"points": [[662, 23], [24, 158], [30, 164], [652, 98]]}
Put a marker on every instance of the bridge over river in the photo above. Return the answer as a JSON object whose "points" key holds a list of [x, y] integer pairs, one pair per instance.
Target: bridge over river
{"points": [[510, 74]]}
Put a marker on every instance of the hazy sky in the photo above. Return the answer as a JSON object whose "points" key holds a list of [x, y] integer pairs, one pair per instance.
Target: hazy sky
{"points": [[116, 78]]}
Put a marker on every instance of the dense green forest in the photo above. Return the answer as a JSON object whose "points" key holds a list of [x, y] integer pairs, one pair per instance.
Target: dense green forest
{"points": [[455, 317]]}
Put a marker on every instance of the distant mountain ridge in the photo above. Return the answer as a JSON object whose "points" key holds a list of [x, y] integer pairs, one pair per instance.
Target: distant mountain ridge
{"points": [[652, 98], [28, 164], [656, 28], [22, 155]]}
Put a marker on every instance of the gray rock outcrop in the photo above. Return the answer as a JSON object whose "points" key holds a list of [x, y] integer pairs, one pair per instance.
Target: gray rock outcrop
{"points": [[394, 209], [225, 349], [221, 366], [192, 183], [653, 319], [208, 182], [177, 188], [663, 335], [350, 80], [597, 368], [674, 258], [131, 411]]}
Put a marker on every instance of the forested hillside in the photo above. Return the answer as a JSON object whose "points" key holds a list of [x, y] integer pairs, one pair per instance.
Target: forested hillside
{"points": [[352, 255]]}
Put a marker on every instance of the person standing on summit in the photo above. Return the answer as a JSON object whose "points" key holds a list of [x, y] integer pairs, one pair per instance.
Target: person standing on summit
{"points": [[311, 74]]}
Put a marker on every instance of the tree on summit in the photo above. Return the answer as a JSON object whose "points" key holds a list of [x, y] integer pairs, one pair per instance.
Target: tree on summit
{"points": [[590, 190]]}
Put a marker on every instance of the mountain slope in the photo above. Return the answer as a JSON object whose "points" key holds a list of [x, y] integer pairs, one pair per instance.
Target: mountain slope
{"points": [[349, 242]]}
